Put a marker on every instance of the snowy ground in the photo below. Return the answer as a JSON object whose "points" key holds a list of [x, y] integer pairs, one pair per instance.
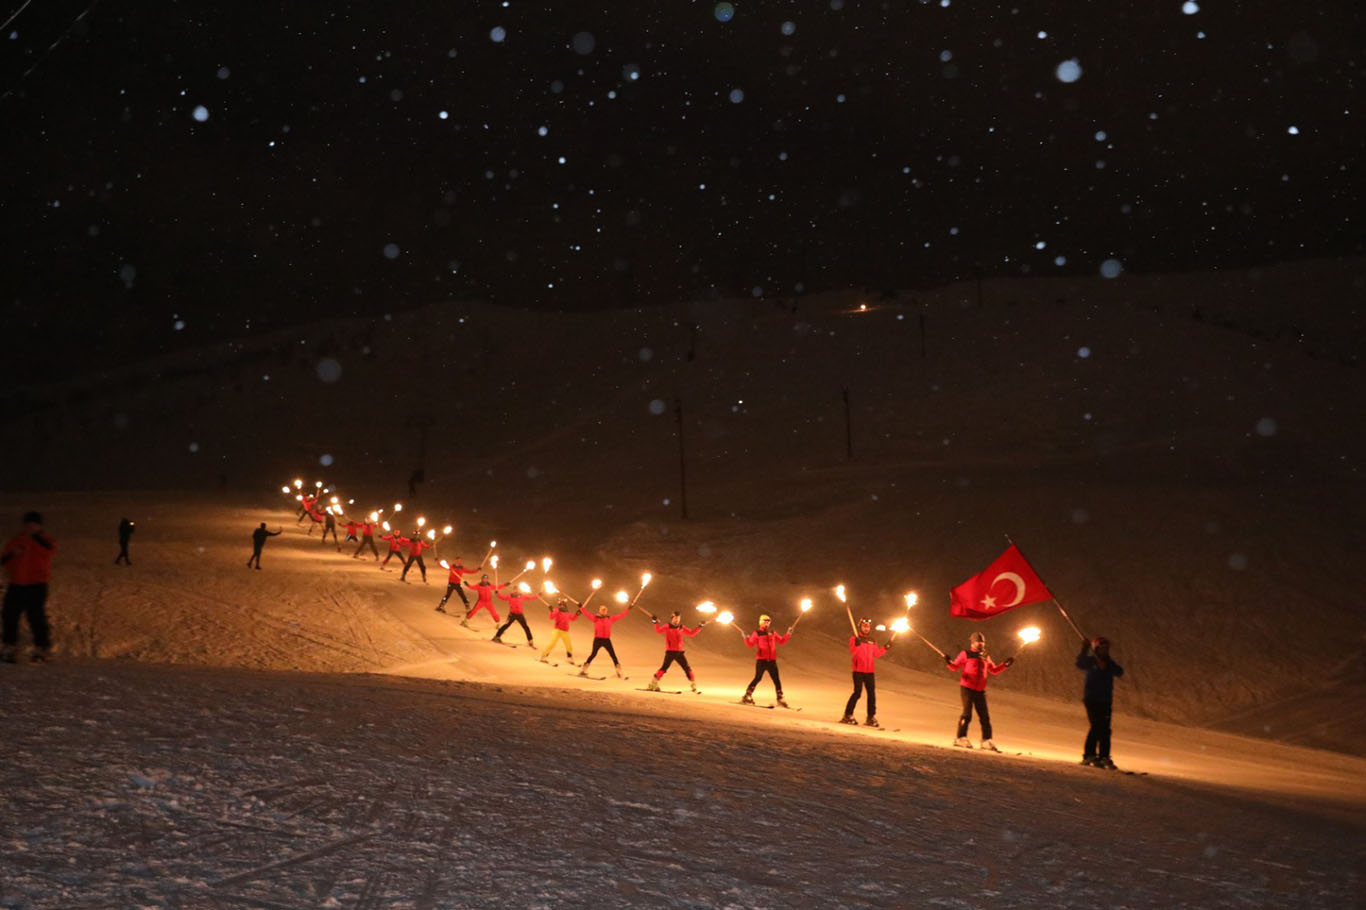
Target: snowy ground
{"points": [[500, 781]]}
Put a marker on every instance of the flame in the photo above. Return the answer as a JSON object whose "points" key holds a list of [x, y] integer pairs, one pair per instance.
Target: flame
{"points": [[334, 500], [318, 484], [546, 563], [806, 605], [299, 498], [431, 535], [398, 507], [706, 606], [881, 627], [284, 489], [597, 583], [725, 617], [386, 527], [911, 599], [1029, 635], [443, 564], [549, 587], [901, 625], [492, 544], [530, 564], [839, 592], [645, 579], [421, 521], [447, 529], [374, 516], [524, 588], [623, 597], [298, 483], [494, 561]]}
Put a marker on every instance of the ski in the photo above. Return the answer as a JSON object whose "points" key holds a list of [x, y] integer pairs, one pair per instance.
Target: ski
{"points": [[506, 644], [663, 691], [586, 676], [750, 704]]}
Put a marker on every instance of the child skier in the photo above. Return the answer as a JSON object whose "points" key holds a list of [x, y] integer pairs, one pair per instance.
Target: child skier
{"points": [[765, 643], [602, 637], [975, 664], [674, 632], [514, 601], [864, 653], [561, 616], [1098, 697]]}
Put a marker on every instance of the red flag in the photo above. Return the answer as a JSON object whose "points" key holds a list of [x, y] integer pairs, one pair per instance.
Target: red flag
{"points": [[1007, 583]]}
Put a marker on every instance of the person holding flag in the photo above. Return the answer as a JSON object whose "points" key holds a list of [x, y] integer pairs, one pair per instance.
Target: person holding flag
{"points": [[976, 665], [561, 616], [602, 637], [514, 600], [674, 632], [1007, 583], [864, 652], [1098, 696], [457, 572], [765, 643]]}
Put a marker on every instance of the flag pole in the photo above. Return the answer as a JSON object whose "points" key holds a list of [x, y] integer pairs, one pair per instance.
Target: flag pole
{"points": [[1056, 602]]}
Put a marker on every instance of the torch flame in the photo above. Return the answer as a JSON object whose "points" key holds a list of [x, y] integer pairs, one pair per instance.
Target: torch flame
{"points": [[431, 534], [550, 588], [623, 597], [546, 563], [1029, 635], [298, 483], [398, 507], [284, 489], [706, 606], [421, 521], [334, 500], [494, 561], [524, 588], [385, 526], [911, 599], [597, 583], [901, 625], [806, 605], [881, 627], [447, 529], [374, 516], [530, 564], [725, 617], [318, 484], [645, 579], [839, 592], [492, 544], [443, 564]]}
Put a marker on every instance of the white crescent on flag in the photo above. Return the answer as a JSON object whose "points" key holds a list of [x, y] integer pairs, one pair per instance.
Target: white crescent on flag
{"points": [[990, 602]]}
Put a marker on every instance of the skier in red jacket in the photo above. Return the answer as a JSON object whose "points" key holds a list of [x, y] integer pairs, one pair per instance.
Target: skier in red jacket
{"points": [[514, 600], [975, 664], [367, 538], [561, 616], [415, 547], [483, 600], [602, 637], [674, 632], [396, 544], [27, 559], [765, 643], [864, 653], [457, 572]]}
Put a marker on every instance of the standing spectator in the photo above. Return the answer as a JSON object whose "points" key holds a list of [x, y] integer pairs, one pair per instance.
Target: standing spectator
{"points": [[1098, 696], [28, 560], [125, 535], [258, 540]]}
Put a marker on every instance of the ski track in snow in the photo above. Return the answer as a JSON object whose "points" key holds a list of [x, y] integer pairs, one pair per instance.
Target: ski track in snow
{"points": [[135, 786]]}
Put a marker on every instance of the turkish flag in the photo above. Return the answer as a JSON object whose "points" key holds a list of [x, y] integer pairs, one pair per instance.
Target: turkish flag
{"points": [[1007, 583]]}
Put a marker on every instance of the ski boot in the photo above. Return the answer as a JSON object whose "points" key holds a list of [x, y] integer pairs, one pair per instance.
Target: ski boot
{"points": [[583, 671], [570, 660], [652, 685], [1089, 761], [747, 698], [440, 609], [1104, 762], [465, 622], [848, 719], [497, 639], [781, 703], [988, 746], [694, 686], [963, 742], [871, 722], [530, 643], [620, 675]]}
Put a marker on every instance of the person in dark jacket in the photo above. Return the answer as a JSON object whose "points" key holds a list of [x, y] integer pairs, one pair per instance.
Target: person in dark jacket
{"points": [[1098, 696], [125, 535], [27, 559], [258, 540]]}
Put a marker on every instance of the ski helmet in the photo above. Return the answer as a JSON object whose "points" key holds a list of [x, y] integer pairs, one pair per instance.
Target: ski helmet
{"points": [[865, 621], [764, 617]]}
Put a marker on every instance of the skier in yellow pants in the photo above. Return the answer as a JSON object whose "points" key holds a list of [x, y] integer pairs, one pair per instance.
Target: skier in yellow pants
{"points": [[561, 617]]}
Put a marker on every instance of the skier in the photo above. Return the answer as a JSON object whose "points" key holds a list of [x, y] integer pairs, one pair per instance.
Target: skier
{"points": [[258, 540], [976, 664], [483, 600], [125, 535], [27, 559], [561, 616], [457, 572], [514, 601], [602, 637], [317, 519], [674, 632], [351, 527], [415, 548], [367, 539], [306, 503], [1098, 697], [765, 643], [330, 525], [864, 653], [396, 544]]}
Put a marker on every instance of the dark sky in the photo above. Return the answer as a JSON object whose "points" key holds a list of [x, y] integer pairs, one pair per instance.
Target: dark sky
{"points": [[361, 159]]}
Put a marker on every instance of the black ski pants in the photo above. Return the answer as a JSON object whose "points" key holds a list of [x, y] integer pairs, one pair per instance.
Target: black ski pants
{"points": [[602, 644], [366, 541], [512, 618], [670, 657], [862, 681], [974, 699], [1098, 737], [771, 668], [29, 601], [455, 586]]}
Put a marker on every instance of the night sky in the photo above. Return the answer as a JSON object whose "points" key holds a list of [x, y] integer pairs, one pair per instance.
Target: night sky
{"points": [[190, 172]]}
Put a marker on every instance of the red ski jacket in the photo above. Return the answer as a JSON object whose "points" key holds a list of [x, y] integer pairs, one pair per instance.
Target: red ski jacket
{"points": [[457, 572], [514, 600], [366, 528], [864, 654], [562, 619], [28, 558], [417, 545], [765, 644], [396, 542], [975, 669], [602, 625], [485, 592], [673, 638]]}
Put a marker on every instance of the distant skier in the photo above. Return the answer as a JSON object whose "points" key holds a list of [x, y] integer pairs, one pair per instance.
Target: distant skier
{"points": [[765, 643], [457, 572], [864, 653], [258, 540], [514, 600], [316, 518], [306, 503], [483, 600], [415, 547], [125, 535], [674, 632], [561, 616], [602, 637], [976, 665], [330, 526], [27, 559], [1098, 697], [396, 544], [351, 527], [367, 539]]}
